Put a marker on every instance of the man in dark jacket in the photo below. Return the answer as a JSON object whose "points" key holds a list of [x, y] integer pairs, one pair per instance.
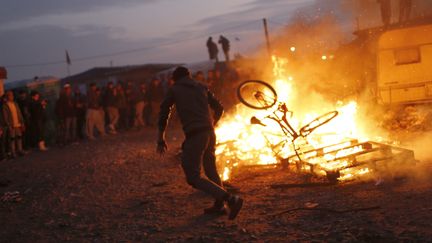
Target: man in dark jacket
{"points": [[225, 46], [212, 50], [37, 117], [192, 101], [80, 107], [66, 112]]}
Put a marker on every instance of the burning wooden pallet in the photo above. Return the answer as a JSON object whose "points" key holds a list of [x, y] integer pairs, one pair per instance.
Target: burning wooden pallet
{"points": [[351, 158]]}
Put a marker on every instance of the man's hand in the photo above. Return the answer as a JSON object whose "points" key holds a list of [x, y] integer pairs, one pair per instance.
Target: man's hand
{"points": [[161, 147]]}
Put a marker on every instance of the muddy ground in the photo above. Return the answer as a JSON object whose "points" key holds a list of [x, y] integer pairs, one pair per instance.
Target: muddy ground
{"points": [[117, 190]]}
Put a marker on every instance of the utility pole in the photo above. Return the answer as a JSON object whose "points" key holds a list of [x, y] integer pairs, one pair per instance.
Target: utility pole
{"points": [[267, 36], [358, 23]]}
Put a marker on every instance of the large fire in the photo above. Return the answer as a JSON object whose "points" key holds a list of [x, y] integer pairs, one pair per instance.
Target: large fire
{"points": [[242, 144]]}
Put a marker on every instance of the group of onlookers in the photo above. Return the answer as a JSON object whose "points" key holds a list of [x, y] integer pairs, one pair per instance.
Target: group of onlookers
{"points": [[108, 109], [102, 110], [22, 123]]}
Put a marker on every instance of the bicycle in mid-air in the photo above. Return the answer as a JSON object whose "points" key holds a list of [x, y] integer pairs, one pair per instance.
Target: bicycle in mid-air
{"points": [[260, 95]]}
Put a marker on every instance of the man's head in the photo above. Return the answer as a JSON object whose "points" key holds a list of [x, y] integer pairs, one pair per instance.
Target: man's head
{"points": [[155, 82], [10, 95], [35, 95], [93, 87], [217, 73], [22, 94], [110, 85], [179, 73], [143, 86], [67, 89], [199, 76]]}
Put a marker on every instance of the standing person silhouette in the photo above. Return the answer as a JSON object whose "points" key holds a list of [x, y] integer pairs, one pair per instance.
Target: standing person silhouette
{"points": [[192, 101], [212, 49], [225, 46]]}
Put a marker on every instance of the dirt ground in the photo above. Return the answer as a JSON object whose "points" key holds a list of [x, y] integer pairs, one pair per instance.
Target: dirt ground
{"points": [[118, 190]]}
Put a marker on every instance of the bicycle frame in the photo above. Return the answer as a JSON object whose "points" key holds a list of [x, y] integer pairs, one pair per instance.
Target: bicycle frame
{"points": [[284, 124]]}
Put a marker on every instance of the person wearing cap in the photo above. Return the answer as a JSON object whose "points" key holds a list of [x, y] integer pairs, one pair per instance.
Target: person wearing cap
{"points": [[192, 101]]}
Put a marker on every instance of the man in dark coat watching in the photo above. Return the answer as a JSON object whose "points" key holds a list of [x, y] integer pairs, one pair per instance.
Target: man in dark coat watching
{"points": [[192, 101], [225, 43], [212, 50]]}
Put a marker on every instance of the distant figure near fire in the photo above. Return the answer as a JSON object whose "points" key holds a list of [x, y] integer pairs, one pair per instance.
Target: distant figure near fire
{"points": [[192, 100], [385, 11], [212, 49], [225, 43]]}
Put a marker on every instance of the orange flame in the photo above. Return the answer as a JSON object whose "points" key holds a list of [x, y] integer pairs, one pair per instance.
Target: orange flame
{"points": [[242, 144]]}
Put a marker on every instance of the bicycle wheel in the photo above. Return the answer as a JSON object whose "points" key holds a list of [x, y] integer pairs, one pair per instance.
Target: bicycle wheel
{"points": [[257, 94], [317, 122]]}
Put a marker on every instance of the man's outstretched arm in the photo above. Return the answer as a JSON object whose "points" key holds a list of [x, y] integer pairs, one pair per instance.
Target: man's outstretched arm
{"points": [[216, 106]]}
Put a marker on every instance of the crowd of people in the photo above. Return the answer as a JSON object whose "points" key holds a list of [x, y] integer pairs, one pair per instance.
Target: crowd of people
{"points": [[102, 110]]}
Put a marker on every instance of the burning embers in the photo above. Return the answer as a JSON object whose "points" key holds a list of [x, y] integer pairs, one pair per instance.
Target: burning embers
{"points": [[319, 143]]}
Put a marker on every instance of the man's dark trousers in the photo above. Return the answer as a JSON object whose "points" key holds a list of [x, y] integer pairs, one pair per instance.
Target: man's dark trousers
{"points": [[199, 149]]}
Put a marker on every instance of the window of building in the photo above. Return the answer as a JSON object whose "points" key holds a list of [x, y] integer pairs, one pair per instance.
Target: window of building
{"points": [[407, 56]]}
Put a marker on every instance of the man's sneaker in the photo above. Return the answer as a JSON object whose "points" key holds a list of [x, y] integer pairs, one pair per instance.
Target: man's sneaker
{"points": [[216, 210], [235, 203]]}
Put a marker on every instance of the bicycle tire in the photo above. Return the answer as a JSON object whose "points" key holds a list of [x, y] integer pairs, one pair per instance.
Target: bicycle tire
{"points": [[317, 122], [258, 105]]}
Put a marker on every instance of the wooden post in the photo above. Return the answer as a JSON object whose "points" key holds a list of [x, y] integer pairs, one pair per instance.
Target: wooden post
{"points": [[267, 36]]}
